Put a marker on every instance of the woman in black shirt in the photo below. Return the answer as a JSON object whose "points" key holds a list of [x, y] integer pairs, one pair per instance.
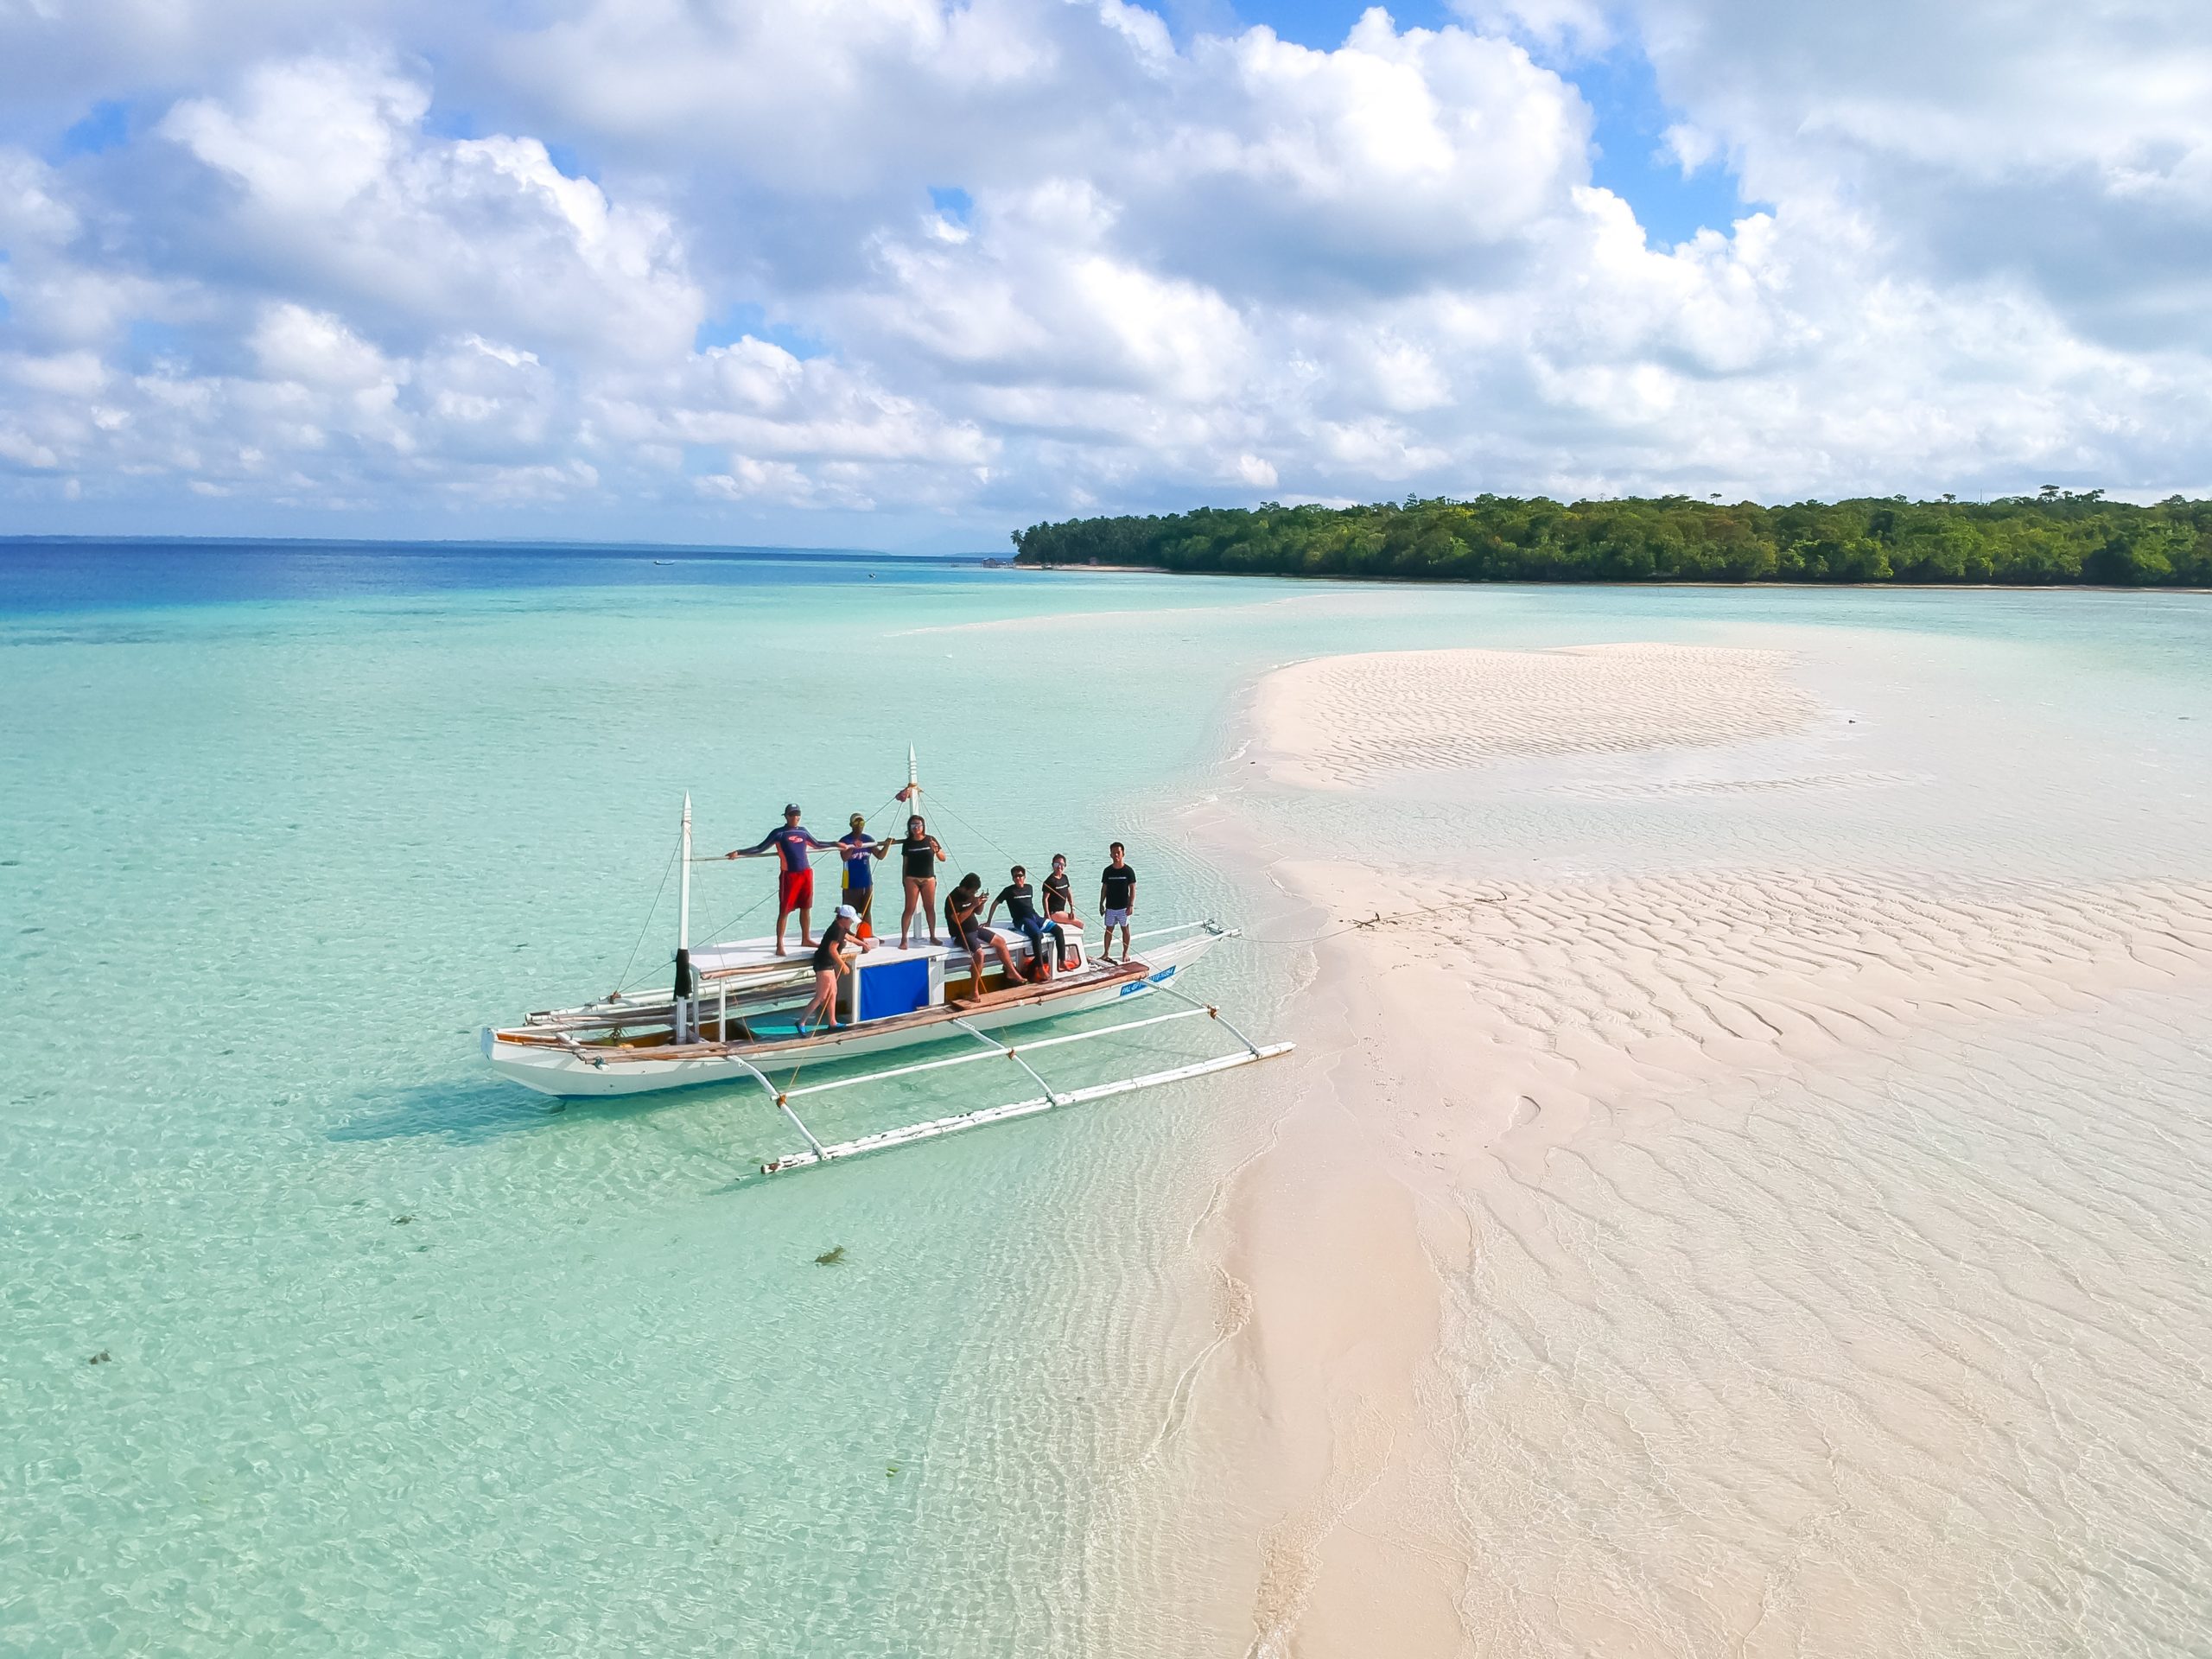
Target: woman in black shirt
{"points": [[833, 958], [1059, 905], [918, 853]]}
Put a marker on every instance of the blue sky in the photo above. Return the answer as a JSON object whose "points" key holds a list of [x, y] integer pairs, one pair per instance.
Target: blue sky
{"points": [[899, 273]]}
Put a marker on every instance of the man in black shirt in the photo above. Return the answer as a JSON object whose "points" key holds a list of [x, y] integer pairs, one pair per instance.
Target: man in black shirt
{"points": [[1117, 902], [1021, 902]]}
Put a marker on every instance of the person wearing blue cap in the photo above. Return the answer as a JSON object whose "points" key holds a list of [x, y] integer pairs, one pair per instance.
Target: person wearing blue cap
{"points": [[794, 845]]}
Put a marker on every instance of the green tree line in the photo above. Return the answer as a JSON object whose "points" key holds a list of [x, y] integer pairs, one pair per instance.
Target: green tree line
{"points": [[2057, 536]]}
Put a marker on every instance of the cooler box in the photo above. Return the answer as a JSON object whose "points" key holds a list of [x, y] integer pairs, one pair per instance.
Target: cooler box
{"points": [[886, 982]]}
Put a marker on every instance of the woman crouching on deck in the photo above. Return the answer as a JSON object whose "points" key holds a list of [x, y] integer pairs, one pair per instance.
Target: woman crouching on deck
{"points": [[964, 914], [833, 960]]}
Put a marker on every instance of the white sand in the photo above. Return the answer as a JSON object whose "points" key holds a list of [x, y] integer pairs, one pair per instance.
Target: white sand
{"points": [[1337, 723], [1457, 1047]]}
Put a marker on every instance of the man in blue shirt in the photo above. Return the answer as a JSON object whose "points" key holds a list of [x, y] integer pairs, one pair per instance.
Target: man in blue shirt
{"points": [[793, 842], [858, 848]]}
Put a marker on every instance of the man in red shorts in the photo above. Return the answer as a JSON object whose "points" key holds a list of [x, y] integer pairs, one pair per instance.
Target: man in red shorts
{"points": [[792, 843]]}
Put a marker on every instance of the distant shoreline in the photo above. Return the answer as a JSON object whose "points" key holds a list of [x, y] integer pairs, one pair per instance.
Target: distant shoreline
{"points": [[2056, 538], [1654, 583]]}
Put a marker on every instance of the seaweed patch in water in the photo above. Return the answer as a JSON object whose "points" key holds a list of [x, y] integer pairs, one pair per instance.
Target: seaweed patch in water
{"points": [[830, 1258]]}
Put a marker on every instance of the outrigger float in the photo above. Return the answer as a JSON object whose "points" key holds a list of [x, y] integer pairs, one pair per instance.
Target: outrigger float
{"points": [[732, 1017]]}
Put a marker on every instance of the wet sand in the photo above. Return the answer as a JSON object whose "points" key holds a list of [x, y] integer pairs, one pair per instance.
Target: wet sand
{"points": [[1471, 1046]]}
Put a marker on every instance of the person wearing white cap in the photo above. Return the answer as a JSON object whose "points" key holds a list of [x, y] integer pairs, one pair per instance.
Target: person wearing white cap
{"points": [[833, 958]]}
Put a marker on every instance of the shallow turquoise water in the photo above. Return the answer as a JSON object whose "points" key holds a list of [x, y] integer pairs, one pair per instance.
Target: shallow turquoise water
{"points": [[401, 1361]]}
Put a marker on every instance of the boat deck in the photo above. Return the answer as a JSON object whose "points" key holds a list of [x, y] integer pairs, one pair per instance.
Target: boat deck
{"points": [[768, 1038]]}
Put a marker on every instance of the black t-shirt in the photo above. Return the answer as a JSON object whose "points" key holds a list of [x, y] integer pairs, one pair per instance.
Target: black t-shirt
{"points": [[1058, 895], [1120, 885], [918, 857], [1021, 902], [832, 939]]}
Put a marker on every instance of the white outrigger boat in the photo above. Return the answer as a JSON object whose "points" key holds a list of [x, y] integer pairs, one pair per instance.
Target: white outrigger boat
{"points": [[732, 1017]]}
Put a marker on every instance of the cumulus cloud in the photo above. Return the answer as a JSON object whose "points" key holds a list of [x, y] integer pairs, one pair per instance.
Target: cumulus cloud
{"points": [[318, 177], [2065, 147], [693, 265]]}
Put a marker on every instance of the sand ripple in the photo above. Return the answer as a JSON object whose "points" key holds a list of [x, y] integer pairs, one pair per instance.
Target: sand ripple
{"points": [[1337, 723], [1815, 1220], [1611, 986], [1823, 1292]]}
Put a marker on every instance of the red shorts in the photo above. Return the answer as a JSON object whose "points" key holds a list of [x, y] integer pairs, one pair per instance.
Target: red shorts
{"points": [[794, 889]]}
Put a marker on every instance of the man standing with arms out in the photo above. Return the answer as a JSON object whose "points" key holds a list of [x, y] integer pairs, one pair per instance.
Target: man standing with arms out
{"points": [[1117, 902], [858, 848], [791, 843]]}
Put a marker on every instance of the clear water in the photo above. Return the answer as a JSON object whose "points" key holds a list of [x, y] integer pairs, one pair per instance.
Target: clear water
{"points": [[402, 1362]]}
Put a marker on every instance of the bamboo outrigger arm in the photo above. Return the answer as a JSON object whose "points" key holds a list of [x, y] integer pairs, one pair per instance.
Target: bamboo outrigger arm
{"points": [[1211, 1011], [914, 1132], [782, 1104], [1007, 1049]]}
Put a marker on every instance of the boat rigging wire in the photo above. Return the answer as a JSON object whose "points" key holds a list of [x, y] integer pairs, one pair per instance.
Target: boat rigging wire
{"points": [[622, 980], [719, 929], [938, 795]]}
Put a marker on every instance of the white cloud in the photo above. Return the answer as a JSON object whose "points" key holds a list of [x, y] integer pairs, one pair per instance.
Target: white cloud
{"points": [[2067, 147], [314, 275], [326, 178]]}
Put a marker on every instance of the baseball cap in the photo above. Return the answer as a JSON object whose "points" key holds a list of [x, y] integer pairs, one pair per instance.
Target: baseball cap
{"points": [[789, 807], [848, 912], [859, 819]]}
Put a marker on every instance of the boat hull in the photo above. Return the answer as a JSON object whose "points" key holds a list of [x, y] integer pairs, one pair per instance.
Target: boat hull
{"points": [[568, 1073]]}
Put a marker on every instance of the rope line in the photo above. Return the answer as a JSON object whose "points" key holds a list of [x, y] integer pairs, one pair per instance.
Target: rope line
{"points": [[719, 928], [971, 828], [622, 980]]}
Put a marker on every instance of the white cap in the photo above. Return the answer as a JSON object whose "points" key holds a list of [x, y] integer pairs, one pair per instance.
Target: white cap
{"points": [[848, 912]]}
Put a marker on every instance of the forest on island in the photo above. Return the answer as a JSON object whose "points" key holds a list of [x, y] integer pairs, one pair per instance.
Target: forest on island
{"points": [[2055, 536]]}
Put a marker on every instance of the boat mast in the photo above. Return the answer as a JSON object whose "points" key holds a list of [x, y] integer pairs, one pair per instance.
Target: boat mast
{"points": [[684, 979]]}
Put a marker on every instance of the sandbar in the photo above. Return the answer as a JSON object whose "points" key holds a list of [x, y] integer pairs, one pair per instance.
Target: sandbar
{"points": [[1459, 1034]]}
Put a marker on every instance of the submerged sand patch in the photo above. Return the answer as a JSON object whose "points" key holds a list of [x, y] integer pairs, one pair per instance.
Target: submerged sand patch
{"points": [[1337, 723]]}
